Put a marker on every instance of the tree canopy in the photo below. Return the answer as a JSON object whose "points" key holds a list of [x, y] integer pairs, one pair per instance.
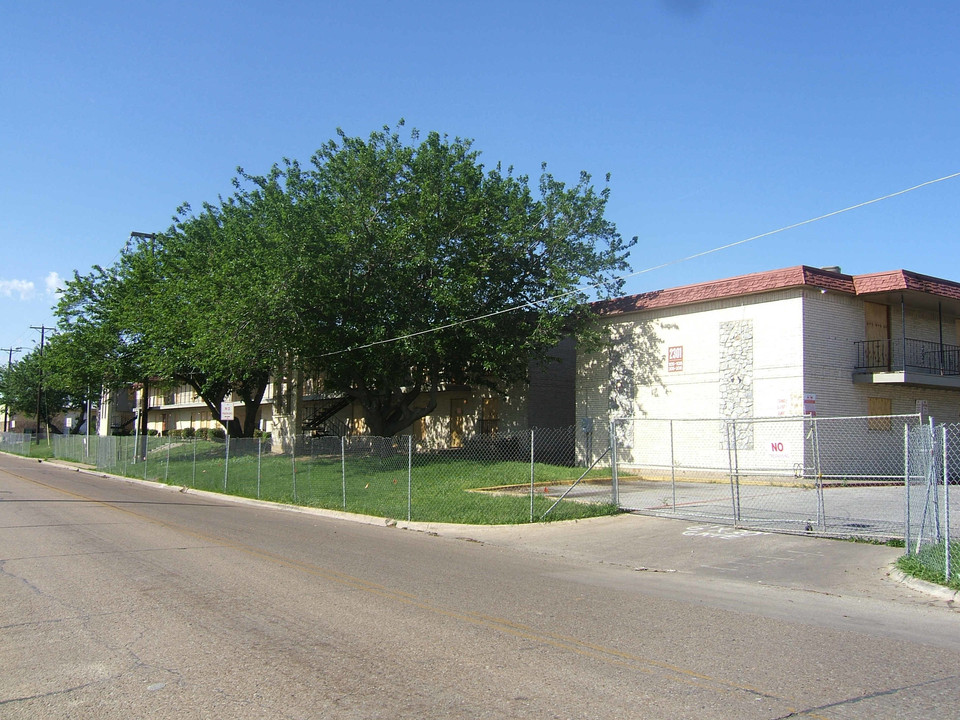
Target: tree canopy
{"points": [[63, 388], [390, 268]]}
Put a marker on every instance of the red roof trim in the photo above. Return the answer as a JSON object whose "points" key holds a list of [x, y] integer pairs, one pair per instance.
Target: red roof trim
{"points": [[906, 280], [752, 284], [771, 280]]}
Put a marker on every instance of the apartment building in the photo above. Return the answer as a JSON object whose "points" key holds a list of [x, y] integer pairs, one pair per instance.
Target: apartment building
{"points": [[783, 343]]}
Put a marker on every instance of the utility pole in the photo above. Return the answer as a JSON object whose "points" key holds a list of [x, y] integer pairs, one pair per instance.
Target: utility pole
{"points": [[43, 335], [10, 352]]}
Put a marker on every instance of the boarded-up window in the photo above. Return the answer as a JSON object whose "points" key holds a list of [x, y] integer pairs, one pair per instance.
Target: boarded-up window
{"points": [[490, 418], [456, 422], [879, 410]]}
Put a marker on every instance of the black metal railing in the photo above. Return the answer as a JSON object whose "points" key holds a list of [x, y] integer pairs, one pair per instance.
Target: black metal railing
{"points": [[923, 356], [320, 416]]}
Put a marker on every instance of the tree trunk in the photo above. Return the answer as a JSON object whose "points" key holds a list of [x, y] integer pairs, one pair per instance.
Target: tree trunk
{"points": [[386, 415], [252, 397], [75, 430]]}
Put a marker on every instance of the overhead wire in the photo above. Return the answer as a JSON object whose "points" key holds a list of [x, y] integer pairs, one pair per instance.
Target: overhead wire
{"points": [[678, 261]]}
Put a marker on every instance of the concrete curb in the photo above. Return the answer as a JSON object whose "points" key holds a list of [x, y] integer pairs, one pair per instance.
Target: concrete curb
{"points": [[426, 527], [927, 588]]}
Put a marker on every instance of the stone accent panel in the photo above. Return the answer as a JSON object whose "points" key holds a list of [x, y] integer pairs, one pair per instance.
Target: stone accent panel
{"points": [[736, 376]]}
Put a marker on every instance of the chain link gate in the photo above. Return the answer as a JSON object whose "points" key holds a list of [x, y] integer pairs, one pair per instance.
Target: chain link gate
{"points": [[841, 477]]}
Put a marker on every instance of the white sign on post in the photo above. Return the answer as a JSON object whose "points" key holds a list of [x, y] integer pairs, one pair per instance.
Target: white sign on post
{"points": [[226, 411]]}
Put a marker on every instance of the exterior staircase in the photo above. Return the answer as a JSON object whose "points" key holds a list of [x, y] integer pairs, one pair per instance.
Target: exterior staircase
{"points": [[320, 416]]}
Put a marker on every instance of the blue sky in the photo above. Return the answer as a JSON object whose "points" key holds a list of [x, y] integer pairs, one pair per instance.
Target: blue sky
{"points": [[718, 121]]}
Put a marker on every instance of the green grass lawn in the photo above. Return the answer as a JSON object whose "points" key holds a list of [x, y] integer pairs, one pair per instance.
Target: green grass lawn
{"points": [[444, 488], [41, 450], [929, 564]]}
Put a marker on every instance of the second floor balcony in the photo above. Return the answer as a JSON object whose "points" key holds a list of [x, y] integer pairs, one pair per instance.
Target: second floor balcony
{"points": [[908, 361]]}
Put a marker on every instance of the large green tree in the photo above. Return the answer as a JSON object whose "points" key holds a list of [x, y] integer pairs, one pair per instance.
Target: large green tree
{"points": [[417, 269], [99, 342], [216, 305], [191, 305], [391, 268], [95, 344]]}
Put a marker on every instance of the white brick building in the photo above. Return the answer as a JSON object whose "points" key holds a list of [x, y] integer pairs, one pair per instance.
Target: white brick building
{"points": [[777, 344]]}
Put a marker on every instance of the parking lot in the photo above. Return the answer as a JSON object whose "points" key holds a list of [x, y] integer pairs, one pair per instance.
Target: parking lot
{"points": [[878, 510]]}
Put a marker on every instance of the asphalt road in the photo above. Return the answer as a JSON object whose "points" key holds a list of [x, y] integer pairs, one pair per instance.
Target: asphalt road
{"points": [[128, 600]]}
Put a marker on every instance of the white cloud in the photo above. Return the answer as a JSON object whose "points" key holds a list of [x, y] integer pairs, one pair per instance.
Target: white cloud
{"points": [[54, 283], [23, 288]]}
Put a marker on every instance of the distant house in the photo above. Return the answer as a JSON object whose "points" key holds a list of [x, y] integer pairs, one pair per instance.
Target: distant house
{"points": [[791, 342]]}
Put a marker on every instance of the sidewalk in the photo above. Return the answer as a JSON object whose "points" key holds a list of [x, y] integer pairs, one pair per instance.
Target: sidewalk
{"points": [[651, 544]]}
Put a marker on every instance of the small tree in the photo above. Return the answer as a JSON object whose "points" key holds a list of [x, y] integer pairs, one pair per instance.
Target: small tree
{"points": [[20, 391]]}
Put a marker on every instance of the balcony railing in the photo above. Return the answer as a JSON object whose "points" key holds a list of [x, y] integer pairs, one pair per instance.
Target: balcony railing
{"points": [[909, 355]]}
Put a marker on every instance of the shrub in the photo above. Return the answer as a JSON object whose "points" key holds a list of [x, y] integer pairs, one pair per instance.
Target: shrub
{"points": [[176, 433], [189, 432], [217, 433]]}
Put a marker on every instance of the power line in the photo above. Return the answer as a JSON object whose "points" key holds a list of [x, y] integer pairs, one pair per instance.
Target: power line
{"points": [[789, 227], [678, 261]]}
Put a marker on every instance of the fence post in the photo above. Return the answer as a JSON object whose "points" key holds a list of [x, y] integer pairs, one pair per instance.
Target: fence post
{"points": [[933, 477], [614, 461], [259, 455], [906, 486], [293, 445], [946, 507], [734, 471], [532, 485], [194, 460], [673, 469], [166, 471], [311, 453], [226, 463], [343, 469], [409, 476]]}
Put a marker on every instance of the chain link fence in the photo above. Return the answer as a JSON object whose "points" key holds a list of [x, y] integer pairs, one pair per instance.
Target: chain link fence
{"points": [[541, 474], [840, 477], [932, 535], [874, 477], [12, 442]]}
